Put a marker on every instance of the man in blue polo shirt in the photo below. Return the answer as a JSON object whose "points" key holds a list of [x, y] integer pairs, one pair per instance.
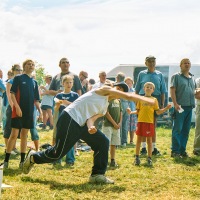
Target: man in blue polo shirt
{"points": [[182, 90], [156, 77]]}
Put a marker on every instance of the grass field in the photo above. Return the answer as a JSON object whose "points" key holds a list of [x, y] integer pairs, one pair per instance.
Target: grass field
{"points": [[168, 178]]}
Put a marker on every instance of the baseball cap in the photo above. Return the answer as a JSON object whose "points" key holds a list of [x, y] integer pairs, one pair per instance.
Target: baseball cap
{"points": [[149, 57], [123, 85]]}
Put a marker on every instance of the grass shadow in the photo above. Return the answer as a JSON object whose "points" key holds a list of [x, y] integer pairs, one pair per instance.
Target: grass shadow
{"points": [[187, 161], [78, 188]]}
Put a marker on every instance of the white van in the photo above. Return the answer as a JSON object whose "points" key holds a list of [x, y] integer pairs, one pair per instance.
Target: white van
{"points": [[132, 70]]}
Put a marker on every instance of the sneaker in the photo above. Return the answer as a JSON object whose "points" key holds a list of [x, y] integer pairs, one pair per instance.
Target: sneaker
{"points": [[13, 153], [143, 151], [51, 127], [16, 151], [155, 152], [76, 153], [124, 145], [137, 161], [44, 127], [175, 155], [100, 178], [28, 165], [149, 161], [196, 153], [113, 164], [184, 155], [21, 165], [69, 164], [5, 165]]}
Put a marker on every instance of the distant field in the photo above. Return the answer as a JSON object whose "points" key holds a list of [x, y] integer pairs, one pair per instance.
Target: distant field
{"points": [[168, 178]]}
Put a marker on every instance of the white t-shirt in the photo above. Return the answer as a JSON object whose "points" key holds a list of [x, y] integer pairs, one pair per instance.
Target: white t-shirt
{"points": [[86, 106]]}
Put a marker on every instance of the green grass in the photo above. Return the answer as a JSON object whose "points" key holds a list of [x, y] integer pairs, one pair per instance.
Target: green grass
{"points": [[168, 178]]}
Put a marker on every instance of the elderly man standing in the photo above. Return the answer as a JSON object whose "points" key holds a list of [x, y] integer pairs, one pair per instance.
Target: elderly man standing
{"points": [[2, 90], [102, 80], [182, 90], [156, 77]]}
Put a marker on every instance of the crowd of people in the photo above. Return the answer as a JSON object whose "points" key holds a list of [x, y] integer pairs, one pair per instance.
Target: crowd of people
{"points": [[99, 113]]}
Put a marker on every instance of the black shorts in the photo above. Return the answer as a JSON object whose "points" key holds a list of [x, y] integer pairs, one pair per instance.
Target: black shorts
{"points": [[20, 123], [45, 107]]}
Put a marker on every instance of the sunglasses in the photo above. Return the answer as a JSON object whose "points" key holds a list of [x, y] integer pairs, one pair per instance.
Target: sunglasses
{"points": [[18, 70]]}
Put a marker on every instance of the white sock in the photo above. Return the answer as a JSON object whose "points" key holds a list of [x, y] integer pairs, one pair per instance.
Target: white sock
{"points": [[153, 146], [143, 144]]}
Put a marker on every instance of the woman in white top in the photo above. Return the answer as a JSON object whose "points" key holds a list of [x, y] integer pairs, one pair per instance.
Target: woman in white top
{"points": [[77, 122]]}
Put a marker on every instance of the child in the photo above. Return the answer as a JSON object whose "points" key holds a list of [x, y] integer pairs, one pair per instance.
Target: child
{"points": [[24, 94], [62, 100], [112, 123], [145, 126], [132, 118]]}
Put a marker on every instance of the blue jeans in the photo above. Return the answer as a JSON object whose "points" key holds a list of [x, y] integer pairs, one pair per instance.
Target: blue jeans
{"points": [[33, 131], [68, 133], [124, 126], [181, 129], [70, 158]]}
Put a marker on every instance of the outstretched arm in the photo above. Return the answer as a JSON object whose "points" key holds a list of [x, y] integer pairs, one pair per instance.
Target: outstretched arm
{"points": [[116, 94]]}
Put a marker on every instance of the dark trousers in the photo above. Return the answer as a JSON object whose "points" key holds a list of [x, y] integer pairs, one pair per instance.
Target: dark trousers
{"points": [[68, 133]]}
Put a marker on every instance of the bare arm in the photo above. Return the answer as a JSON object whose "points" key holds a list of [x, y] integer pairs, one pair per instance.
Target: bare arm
{"points": [[90, 123], [8, 86], [109, 117], [18, 109], [37, 104], [160, 111], [116, 94], [173, 96], [162, 100]]}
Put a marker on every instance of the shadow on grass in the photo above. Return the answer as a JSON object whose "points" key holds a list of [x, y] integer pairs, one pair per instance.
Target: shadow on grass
{"points": [[82, 187], [187, 161]]}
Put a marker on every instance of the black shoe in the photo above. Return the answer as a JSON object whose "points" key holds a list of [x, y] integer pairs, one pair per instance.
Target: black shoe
{"points": [[196, 153], [156, 152], [113, 164], [175, 155], [137, 161], [184, 155], [149, 161], [143, 151]]}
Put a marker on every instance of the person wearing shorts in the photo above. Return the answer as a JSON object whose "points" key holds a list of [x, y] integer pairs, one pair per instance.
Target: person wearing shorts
{"points": [[24, 94], [145, 125], [112, 123]]}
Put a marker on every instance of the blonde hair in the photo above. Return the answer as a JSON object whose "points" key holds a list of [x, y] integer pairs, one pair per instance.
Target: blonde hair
{"points": [[183, 60], [67, 77], [128, 79], [26, 61], [149, 83]]}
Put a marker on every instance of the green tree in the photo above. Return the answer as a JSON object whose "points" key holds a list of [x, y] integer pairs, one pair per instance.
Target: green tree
{"points": [[40, 73]]}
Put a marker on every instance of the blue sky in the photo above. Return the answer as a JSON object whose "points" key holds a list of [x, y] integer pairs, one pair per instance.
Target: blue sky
{"points": [[98, 35]]}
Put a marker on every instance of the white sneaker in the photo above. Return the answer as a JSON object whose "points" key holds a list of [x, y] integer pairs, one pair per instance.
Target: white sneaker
{"points": [[100, 178], [28, 165], [13, 153]]}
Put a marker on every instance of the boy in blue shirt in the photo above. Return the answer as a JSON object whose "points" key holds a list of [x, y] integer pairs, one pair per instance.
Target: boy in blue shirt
{"points": [[62, 100]]}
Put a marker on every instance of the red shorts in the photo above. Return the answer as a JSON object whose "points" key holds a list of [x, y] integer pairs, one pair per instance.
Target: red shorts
{"points": [[145, 129]]}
